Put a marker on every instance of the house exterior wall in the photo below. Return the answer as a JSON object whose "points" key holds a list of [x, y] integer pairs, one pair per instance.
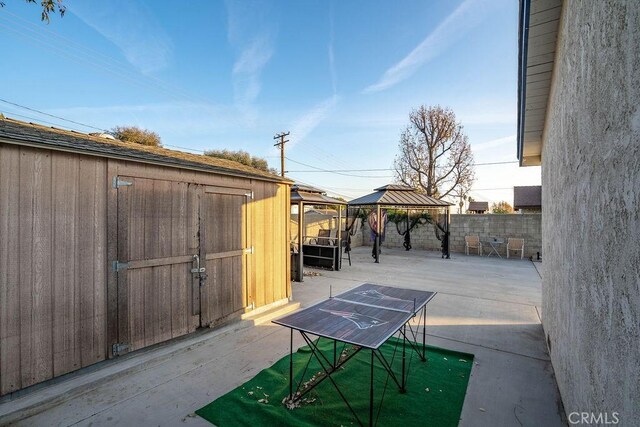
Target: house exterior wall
{"points": [[591, 221], [526, 226]]}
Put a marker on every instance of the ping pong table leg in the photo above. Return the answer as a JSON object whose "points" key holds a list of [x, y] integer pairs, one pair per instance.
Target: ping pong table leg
{"points": [[291, 366], [371, 393], [404, 357], [424, 333]]}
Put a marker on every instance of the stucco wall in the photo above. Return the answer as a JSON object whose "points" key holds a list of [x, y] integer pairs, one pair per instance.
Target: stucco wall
{"points": [[591, 202], [527, 226]]}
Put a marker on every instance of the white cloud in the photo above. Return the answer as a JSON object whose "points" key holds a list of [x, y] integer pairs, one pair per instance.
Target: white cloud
{"points": [[306, 123], [249, 32], [247, 69], [456, 25], [130, 26]]}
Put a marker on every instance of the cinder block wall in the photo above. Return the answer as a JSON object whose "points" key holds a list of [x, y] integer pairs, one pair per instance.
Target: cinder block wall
{"points": [[527, 226], [524, 226], [591, 203]]}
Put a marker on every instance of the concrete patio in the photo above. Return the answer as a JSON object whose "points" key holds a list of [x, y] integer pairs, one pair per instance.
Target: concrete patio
{"points": [[485, 306]]}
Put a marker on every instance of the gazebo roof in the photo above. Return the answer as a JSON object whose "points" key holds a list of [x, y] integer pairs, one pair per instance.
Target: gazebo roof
{"points": [[312, 196], [398, 195]]}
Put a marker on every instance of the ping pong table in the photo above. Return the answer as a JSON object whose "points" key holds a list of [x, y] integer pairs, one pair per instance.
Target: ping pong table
{"points": [[364, 317]]}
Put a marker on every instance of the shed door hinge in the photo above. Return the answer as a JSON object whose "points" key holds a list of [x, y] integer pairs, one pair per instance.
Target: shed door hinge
{"points": [[249, 250], [117, 182], [118, 266], [249, 195], [119, 348]]}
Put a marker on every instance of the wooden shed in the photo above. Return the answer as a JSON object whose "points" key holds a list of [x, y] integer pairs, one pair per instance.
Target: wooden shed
{"points": [[108, 247]]}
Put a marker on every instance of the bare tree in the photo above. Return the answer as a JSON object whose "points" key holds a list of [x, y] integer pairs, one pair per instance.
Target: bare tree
{"points": [[435, 155]]}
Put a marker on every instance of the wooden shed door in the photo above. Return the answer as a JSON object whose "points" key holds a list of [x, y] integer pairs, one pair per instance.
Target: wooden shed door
{"points": [[158, 295], [224, 244]]}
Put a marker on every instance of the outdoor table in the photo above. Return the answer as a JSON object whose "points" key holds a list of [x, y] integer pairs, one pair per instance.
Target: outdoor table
{"points": [[495, 243], [365, 318]]}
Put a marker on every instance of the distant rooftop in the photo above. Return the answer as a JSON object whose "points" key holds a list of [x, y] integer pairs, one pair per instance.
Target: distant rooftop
{"points": [[527, 197], [478, 206]]}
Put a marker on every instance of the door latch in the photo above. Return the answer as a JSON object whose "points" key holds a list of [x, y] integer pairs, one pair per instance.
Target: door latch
{"points": [[197, 268], [201, 271]]}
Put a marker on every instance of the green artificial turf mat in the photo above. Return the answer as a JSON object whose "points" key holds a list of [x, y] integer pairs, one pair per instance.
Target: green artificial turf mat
{"points": [[434, 397]]}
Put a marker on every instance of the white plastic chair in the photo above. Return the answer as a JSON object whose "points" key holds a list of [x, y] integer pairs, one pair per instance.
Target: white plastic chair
{"points": [[472, 242], [515, 245]]}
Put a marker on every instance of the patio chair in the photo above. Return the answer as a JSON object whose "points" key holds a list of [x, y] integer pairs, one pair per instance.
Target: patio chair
{"points": [[324, 238], [472, 242], [514, 244]]}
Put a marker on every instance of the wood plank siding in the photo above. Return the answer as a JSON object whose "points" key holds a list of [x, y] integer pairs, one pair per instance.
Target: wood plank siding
{"points": [[53, 264], [63, 225]]}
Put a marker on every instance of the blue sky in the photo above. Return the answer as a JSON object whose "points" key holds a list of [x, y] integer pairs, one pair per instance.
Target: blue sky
{"points": [[341, 76]]}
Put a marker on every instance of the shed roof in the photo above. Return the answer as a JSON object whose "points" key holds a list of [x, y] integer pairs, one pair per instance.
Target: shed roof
{"points": [[527, 197], [478, 206], [398, 195], [311, 195], [30, 134]]}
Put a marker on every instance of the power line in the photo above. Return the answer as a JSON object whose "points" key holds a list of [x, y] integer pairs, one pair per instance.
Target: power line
{"points": [[318, 170], [13, 114], [87, 56], [344, 170], [51, 115], [337, 173]]}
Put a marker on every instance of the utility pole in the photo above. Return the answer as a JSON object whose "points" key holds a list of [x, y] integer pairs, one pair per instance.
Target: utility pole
{"points": [[281, 136]]}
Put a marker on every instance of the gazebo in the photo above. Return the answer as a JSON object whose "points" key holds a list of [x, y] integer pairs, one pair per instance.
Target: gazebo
{"points": [[320, 249], [401, 197]]}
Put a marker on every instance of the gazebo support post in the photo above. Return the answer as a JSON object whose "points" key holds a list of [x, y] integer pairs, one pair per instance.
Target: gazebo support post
{"points": [[447, 232], [378, 231], [339, 237], [408, 225], [300, 242]]}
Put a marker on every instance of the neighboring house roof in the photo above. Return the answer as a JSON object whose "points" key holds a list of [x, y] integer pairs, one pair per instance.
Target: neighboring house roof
{"points": [[311, 195], [538, 32], [478, 206], [527, 197], [398, 195], [30, 134]]}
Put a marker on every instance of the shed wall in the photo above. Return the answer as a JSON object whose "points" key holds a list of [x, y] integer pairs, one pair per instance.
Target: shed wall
{"points": [[58, 239], [52, 264]]}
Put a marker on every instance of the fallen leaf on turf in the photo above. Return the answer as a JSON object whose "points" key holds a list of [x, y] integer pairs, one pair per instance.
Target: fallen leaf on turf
{"points": [[427, 389]]}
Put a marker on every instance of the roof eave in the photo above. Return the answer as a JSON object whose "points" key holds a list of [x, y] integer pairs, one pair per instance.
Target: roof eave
{"points": [[537, 39]]}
